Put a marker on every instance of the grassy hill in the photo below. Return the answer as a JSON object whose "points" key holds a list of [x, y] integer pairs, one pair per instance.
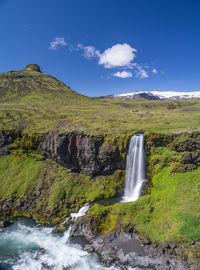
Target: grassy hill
{"points": [[37, 186], [35, 101]]}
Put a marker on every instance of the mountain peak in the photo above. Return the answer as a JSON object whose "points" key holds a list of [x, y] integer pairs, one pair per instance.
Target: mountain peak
{"points": [[33, 67], [155, 95]]}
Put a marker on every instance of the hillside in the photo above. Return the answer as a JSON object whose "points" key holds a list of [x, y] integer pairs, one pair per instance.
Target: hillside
{"points": [[60, 149], [31, 100]]}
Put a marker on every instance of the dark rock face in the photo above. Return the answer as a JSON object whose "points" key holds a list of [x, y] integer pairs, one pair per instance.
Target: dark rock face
{"points": [[4, 223], [188, 144], [76, 151], [33, 67], [7, 137], [126, 248], [80, 152], [191, 158], [157, 140]]}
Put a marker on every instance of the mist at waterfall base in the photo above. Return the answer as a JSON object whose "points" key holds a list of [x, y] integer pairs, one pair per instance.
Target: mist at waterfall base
{"points": [[25, 245], [135, 169]]}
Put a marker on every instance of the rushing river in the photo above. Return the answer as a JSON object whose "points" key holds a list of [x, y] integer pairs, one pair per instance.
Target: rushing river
{"points": [[27, 246]]}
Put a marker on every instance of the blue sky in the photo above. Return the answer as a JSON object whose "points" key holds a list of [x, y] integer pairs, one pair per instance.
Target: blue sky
{"points": [[100, 47]]}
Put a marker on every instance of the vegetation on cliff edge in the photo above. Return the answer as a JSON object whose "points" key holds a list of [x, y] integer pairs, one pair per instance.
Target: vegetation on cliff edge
{"points": [[45, 189], [170, 209]]}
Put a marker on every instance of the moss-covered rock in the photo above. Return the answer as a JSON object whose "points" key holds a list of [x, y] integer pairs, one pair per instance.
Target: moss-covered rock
{"points": [[33, 67]]}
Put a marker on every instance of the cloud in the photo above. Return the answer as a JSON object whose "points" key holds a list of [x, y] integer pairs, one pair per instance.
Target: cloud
{"points": [[140, 72], [123, 74], [154, 71], [119, 55], [89, 51], [56, 42]]}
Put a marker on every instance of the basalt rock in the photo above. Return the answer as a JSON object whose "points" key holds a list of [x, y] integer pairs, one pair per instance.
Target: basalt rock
{"points": [[80, 152], [7, 137], [191, 158], [187, 144], [4, 223], [33, 67], [124, 248]]}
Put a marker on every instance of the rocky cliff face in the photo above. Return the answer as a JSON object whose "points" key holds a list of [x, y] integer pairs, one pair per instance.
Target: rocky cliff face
{"points": [[125, 247], [80, 152], [7, 137], [76, 151], [186, 144]]}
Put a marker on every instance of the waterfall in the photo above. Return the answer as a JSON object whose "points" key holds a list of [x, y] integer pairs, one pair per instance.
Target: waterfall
{"points": [[135, 169], [82, 211]]}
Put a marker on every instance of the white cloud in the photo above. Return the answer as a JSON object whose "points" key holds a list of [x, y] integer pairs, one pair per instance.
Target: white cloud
{"points": [[140, 72], [118, 55], [89, 51], [154, 71], [56, 42], [123, 74]]}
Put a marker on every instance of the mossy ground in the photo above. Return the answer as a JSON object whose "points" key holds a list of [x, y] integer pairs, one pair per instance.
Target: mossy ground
{"points": [[168, 212], [59, 190], [38, 102]]}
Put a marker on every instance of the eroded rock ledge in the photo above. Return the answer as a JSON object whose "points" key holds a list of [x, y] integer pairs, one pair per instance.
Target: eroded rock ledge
{"points": [[126, 248], [76, 151], [82, 153], [96, 156]]}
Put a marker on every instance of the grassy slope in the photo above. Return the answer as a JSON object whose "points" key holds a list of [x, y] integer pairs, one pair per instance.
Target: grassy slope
{"points": [[170, 210], [22, 176], [39, 103]]}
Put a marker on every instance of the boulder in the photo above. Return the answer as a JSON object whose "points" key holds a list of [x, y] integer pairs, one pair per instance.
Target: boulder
{"points": [[33, 67]]}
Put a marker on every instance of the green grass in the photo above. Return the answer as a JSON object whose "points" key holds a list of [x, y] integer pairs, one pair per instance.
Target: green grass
{"points": [[170, 212], [19, 176], [39, 102], [61, 190]]}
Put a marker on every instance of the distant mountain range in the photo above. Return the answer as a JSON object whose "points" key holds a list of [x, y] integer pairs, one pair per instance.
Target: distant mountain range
{"points": [[155, 95]]}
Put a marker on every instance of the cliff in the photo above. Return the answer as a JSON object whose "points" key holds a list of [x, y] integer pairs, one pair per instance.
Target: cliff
{"points": [[165, 220], [59, 149]]}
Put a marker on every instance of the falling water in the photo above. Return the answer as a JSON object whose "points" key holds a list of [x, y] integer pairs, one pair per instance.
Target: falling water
{"points": [[135, 169]]}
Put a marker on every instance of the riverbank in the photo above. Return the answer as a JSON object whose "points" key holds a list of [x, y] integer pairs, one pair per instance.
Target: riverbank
{"points": [[167, 214]]}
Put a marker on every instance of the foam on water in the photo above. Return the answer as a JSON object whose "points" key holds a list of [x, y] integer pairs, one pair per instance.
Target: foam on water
{"points": [[26, 246], [82, 211], [38, 248]]}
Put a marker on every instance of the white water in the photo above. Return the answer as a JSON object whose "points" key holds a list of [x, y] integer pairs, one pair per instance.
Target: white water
{"points": [[82, 211], [25, 246], [135, 169]]}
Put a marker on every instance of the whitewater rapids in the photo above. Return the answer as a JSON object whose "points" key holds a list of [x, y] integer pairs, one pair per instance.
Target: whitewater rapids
{"points": [[27, 246]]}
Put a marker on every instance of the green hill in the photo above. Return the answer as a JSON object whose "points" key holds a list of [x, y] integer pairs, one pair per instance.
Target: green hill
{"points": [[31, 100], [60, 149]]}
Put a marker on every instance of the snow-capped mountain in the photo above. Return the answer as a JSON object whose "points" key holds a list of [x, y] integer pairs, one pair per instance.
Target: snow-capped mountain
{"points": [[155, 95]]}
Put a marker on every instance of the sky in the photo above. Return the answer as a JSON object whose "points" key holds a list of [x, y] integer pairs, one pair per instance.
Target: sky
{"points": [[102, 47]]}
